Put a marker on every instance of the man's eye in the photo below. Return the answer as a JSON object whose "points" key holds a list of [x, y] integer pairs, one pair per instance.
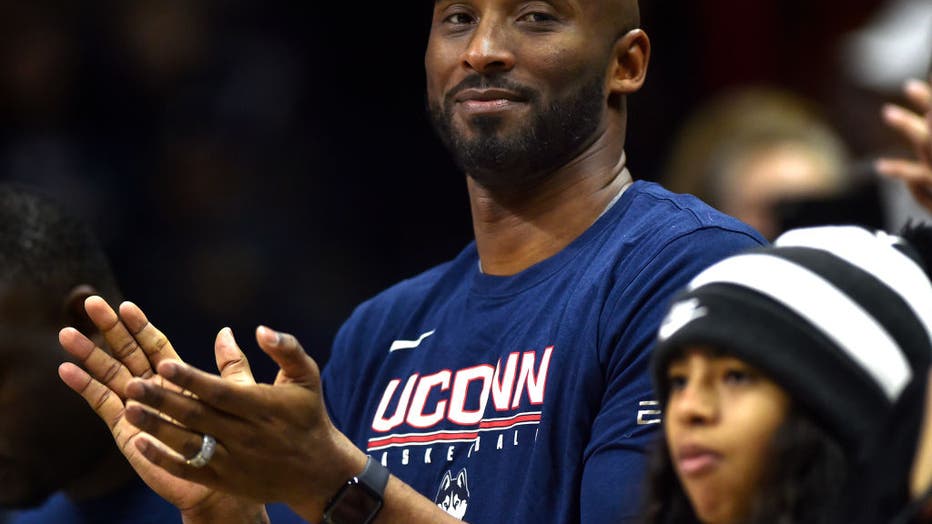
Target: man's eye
{"points": [[538, 18], [459, 19]]}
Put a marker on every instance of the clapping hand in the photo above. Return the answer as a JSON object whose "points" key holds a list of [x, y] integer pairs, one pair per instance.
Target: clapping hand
{"points": [[915, 126], [273, 442], [137, 350]]}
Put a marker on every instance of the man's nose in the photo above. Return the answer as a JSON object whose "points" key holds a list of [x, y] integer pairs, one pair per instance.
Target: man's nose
{"points": [[489, 49]]}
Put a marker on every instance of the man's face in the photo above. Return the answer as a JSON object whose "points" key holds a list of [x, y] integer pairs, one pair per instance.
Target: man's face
{"points": [[516, 88], [48, 436]]}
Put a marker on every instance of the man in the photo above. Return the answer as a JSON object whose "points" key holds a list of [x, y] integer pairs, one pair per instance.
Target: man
{"points": [[509, 384], [55, 462]]}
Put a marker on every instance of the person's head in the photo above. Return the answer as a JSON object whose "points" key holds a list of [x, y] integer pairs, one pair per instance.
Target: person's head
{"points": [[748, 150], [516, 89], [777, 370], [49, 263]]}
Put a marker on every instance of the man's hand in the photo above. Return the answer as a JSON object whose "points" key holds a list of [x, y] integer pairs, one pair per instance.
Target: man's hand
{"points": [[274, 443], [916, 127], [138, 348]]}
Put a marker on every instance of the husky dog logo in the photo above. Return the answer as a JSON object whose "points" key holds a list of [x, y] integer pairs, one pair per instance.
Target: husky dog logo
{"points": [[453, 495]]}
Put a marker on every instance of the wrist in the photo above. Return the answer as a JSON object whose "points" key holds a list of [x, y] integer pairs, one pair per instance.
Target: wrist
{"points": [[361, 497], [346, 461]]}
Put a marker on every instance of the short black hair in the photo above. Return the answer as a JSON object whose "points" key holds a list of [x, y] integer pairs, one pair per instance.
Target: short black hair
{"points": [[43, 245]]}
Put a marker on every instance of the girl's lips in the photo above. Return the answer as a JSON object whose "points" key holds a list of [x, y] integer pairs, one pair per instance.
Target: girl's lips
{"points": [[697, 460]]}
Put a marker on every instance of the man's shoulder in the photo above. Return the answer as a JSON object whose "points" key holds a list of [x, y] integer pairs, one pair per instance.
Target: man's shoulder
{"points": [[667, 213], [654, 219], [667, 234]]}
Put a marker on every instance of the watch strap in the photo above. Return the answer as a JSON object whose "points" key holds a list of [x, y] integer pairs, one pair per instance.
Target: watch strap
{"points": [[361, 497], [374, 475]]}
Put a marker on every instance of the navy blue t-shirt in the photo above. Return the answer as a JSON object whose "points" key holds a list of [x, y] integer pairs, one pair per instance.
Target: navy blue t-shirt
{"points": [[527, 398]]}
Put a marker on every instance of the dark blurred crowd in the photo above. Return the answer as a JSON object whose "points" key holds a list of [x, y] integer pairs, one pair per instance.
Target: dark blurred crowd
{"points": [[217, 148], [249, 162]]}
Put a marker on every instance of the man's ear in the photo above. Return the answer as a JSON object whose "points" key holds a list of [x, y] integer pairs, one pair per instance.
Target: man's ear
{"points": [[629, 66], [76, 316]]}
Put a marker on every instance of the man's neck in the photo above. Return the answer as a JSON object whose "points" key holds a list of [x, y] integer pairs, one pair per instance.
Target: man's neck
{"points": [[515, 232]]}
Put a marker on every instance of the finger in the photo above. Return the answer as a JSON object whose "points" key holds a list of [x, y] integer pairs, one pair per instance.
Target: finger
{"points": [[920, 94], [190, 412], [231, 361], [121, 342], [296, 366], [103, 367], [910, 125], [928, 151], [240, 400], [906, 170], [155, 344], [99, 397], [182, 440], [160, 455]]}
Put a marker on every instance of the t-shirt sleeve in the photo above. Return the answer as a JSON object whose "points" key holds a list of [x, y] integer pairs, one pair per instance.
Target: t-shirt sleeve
{"points": [[628, 421], [333, 376]]}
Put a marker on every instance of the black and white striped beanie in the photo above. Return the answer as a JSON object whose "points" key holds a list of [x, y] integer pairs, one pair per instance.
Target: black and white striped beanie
{"points": [[840, 317]]}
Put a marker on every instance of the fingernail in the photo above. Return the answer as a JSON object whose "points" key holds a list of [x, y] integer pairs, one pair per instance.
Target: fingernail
{"points": [[271, 336], [134, 415], [169, 370], [914, 84]]}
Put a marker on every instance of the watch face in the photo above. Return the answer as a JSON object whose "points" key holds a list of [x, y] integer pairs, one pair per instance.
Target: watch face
{"points": [[354, 504]]}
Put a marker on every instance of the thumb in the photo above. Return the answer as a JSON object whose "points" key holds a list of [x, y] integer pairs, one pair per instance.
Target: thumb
{"points": [[231, 361], [296, 366]]}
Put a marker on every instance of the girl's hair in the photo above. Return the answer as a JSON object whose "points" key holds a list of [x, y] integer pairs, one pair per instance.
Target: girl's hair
{"points": [[802, 484]]}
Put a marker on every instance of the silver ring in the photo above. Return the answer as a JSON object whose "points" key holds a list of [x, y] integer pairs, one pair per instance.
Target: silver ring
{"points": [[208, 446]]}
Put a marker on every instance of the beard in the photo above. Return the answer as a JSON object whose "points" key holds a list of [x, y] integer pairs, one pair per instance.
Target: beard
{"points": [[551, 137]]}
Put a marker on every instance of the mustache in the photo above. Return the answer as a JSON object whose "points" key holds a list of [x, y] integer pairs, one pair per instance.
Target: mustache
{"points": [[493, 82]]}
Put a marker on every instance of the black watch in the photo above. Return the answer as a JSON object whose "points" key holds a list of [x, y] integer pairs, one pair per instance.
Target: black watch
{"points": [[360, 499]]}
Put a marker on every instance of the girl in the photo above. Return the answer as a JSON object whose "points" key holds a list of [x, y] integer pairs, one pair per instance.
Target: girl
{"points": [[793, 380]]}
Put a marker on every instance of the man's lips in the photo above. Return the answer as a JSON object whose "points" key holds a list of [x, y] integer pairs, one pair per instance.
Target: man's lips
{"points": [[487, 100], [487, 95], [694, 460]]}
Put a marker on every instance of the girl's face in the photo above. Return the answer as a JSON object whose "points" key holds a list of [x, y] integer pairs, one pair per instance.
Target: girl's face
{"points": [[720, 420]]}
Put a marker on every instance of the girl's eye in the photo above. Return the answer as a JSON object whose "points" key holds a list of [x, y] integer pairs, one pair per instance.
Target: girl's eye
{"points": [[677, 382], [738, 377]]}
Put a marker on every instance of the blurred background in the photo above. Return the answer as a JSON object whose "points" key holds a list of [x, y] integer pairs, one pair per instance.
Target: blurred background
{"points": [[248, 162]]}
